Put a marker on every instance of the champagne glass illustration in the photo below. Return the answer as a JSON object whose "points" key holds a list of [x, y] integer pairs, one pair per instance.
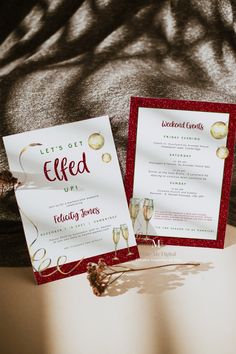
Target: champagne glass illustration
{"points": [[125, 234], [116, 239], [148, 209], [134, 209]]}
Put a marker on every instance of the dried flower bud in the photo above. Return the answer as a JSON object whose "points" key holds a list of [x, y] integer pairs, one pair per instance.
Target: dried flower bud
{"points": [[96, 291], [100, 275]]}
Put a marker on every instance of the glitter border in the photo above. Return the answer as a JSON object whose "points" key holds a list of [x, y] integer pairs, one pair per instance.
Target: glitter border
{"points": [[200, 106]]}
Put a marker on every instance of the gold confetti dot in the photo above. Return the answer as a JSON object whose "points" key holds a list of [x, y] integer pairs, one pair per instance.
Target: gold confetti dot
{"points": [[222, 152], [219, 130], [106, 157], [96, 141]]}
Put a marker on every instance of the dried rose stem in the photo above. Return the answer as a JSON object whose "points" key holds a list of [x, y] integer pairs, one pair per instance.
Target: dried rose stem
{"points": [[110, 282], [154, 267]]}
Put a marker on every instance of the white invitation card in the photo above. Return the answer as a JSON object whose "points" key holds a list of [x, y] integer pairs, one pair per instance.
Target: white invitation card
{"points": [[71, 197]]}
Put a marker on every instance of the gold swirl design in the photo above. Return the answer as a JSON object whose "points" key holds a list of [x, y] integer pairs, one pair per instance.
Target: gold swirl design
{"points": [[40, 254], [20, 159]]}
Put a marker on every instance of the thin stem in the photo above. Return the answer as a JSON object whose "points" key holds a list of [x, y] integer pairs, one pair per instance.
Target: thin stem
{"points": [[133, 221], [110, 282], [154, 267], [146, 229]]}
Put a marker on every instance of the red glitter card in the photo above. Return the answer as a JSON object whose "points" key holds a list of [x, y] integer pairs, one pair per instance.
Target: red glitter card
{"points": [[178, 171]]}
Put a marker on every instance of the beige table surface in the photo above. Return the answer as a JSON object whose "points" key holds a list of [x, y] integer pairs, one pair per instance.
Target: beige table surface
{"points": [[163, 311]]}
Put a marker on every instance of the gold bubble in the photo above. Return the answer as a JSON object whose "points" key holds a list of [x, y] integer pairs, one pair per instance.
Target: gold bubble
{"points": [[219, 130], [106, 157], [222, 152], [96, 141]]}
